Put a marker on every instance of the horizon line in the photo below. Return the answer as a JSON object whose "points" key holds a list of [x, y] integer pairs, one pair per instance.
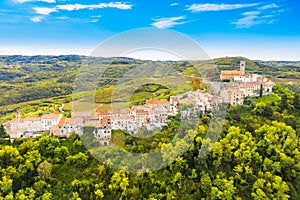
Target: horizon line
{"points": [[83, 55]]}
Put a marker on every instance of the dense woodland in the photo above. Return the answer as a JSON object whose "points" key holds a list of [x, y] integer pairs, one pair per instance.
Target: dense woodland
{"points": [[256, 157]]}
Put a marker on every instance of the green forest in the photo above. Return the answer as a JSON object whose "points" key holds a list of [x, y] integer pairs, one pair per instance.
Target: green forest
{"points": [[257, 155]]}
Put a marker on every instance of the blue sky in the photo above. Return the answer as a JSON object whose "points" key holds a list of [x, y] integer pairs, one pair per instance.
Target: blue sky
{"points": [[267, 30]]}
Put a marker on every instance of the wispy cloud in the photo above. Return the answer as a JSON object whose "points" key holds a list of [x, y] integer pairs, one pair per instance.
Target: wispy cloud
{"points": [[252, 18], [168, 22], [174, 4], [72, 7], [26, 1], [269, 6], [37, 19], [118, 5], [92, 19], [265, 14], [44, 10], [217, 7]]}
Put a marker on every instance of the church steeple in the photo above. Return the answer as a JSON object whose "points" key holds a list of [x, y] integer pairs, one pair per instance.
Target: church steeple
{"points": [[18, 115], [242, 67]]}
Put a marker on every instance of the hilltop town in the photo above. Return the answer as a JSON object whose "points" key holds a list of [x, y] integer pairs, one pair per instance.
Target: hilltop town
{"points": [[242, 84], [153, 115]]}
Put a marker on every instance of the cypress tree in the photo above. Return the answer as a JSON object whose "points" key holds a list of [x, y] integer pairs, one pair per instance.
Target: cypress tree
{"points": [[261, 91]]}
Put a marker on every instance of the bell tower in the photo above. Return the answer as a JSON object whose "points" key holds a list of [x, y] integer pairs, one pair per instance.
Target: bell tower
{"points": [[242, 67], [18, 115]]}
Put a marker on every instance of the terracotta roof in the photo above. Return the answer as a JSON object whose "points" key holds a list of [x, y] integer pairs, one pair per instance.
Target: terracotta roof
{"points": [[230, 72], [15, 120], [253, 83], [159, 102], [234, 90], [32, 119], [51, 116], [125, 117], [140, 108], [68, 121], [104, 112], [140, 112], [61, 122], [6, 124], [107, 118]]}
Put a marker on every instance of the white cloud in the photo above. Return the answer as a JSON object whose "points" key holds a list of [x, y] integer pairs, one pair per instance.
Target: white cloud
{"points": [[174, 4], [91, 19], [36, 19], [25, 1], [168, 22], [44, 10], [72, 7], [253, 18], [218, 7], [265, 14], [251, 13], [118, 5], [269, 6], [94, 20]]}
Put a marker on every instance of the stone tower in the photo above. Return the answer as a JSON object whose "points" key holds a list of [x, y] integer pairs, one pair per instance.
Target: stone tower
{"points": [[18, 115], [242, 67]]}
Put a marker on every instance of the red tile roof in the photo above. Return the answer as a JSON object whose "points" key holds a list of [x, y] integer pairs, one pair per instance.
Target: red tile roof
{"points": [[32, 119], [61, 121], [157, 102]]}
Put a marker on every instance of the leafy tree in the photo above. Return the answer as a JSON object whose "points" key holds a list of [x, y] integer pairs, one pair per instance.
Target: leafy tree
{"points": [[5, 185], [78, 160], [28, 193], [270, 187], [44, 170], [60, 154], [9, 156]]}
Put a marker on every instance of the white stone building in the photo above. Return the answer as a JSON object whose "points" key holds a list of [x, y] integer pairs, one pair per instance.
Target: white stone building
{"points": [[48, 120], [102, 132], [67, 126]]}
